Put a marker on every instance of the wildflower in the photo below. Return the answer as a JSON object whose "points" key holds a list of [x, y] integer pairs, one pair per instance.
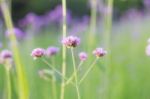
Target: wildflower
{"points": [[83, 56], [37, 53], [5, 55], [51, 51], [71, 41], [1, 45], [99, 52]]}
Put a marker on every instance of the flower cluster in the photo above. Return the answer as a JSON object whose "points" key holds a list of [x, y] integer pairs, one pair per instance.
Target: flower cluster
{"points": [[5, 55], [71, 41], [99, 52], [40, 52]]}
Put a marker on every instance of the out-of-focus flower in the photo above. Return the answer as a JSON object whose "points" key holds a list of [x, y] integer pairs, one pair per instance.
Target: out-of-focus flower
{"points": [[71, 41], [146, 3], [51, 51], [18, 33], [31, 19], [99, 52], [5, 55], [37, 53], [83, 56], [132, 14], [55, 16], [148, 50]]}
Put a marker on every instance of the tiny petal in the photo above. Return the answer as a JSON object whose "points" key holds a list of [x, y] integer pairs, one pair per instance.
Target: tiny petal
{"points": [[99, 52], [71, 41], [37, 53], [51, 51], [83, 56]]}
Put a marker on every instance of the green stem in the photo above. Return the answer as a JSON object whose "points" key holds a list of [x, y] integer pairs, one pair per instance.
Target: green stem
{"points": [[75, 71], [73, 75], [87, 72], [51, 66], [21, 78], [54, 90], [8, 81], [64, 7]]}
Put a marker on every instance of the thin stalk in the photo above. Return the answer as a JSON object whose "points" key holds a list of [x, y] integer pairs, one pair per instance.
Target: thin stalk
{"points": [[107, 37], [64, 7], [51, 66], [73, 75], [54, 90], [93, 20], [87, 72], [8, 80], [75, 71], [21, 78]]}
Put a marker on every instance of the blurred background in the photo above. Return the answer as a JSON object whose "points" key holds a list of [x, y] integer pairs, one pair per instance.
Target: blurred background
{"points": [[124, 33]]}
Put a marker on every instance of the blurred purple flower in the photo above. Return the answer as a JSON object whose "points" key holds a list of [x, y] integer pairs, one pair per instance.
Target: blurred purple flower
{"points": [[80, 25], [99, 52], [83, 56], [51, 51], [5, 55], [132, 14], [37, 53], [32, 19], [18, 33], [146, 3], [55, 16], [71, 41]]}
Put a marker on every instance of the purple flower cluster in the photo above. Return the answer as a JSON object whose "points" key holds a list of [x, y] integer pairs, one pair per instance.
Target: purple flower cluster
{"points": [[71, 41], [40, 52], [99, 52], [52, 17], [83, 56], [5, 55]]}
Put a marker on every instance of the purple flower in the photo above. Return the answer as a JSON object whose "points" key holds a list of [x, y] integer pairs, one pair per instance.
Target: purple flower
{"points": [[148, 50], [37, 53], [83, 56], [51, 51], [99, 52], [5, 55], [146, 3], [18, 33], [71, 41]]}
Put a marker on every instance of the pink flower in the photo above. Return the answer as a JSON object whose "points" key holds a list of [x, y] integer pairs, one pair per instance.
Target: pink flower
{"points": [[5, 55], [37, 53], [71, 41], [99, 52], [83, 56], [51, 51]]}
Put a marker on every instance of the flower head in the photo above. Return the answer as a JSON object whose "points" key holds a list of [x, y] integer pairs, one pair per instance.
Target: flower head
{"points": [[51, 51], [5, 55], [71, 41], [99, 52], [83, 56], [37, 53]]}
